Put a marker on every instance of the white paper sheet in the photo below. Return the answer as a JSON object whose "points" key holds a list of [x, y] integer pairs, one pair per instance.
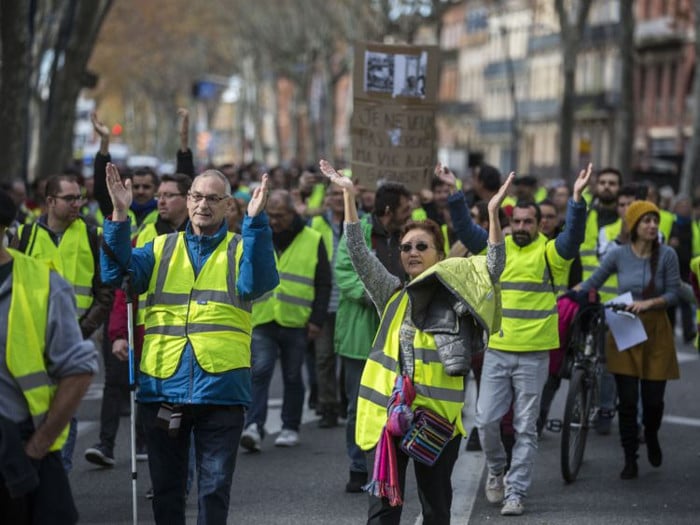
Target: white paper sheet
{"points": [[626, 331]]}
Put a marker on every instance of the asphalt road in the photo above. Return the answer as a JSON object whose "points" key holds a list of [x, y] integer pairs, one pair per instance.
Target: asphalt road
{"points": [[305, 484]]}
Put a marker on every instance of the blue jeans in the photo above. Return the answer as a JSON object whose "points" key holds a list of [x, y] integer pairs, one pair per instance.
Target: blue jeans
{"points": [[269, 341], [69, 445], [353, 373], [216, 431], [516, 377]]}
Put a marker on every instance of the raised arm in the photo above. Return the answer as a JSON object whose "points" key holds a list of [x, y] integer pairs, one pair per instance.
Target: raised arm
{"points": [[568, 241], [348, 190], [101, 159], [185, 162], [473, 236], [119, 192], [379, 283], [495, 233]]}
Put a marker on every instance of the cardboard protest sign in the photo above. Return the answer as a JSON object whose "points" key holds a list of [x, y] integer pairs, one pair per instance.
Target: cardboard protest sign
{"points": [[393, 123]]}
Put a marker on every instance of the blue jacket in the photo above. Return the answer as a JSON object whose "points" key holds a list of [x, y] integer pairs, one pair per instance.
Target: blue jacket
{"points": [[257, 274]]}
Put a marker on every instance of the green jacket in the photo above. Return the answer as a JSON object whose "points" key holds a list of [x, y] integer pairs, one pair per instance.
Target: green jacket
{"points": [[356, 320]]}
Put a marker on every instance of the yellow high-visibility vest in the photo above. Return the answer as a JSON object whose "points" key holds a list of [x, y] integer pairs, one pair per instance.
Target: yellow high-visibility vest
{"points": [[205, 311], [26, 337]]}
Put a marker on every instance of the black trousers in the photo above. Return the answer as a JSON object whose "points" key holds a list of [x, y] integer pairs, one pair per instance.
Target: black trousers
{"points": [[434, 488], [50, 504], [628, 388]]}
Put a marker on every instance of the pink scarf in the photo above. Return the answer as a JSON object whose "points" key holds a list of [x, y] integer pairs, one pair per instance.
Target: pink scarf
{"points": [[385, 477]]}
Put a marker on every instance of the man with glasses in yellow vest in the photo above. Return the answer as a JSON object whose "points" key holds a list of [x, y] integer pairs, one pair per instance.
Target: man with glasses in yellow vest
{"points": [[194, 377], [45, 368], [286, 319], [63, 239]]}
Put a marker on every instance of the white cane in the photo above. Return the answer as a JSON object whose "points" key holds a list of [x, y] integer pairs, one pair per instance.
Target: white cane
{"points": [[132, 395]]}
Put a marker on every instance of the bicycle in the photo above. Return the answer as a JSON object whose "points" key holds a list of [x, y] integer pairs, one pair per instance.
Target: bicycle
{"points": [[586, 351]]}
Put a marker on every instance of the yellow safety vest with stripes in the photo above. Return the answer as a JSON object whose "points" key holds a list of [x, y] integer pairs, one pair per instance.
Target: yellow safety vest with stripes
{"points": [[73, 258], [589, 247], [435, 390], [289, 304], [666, 220], [205, 311], [146, 235], [609, 290], [320, 224], [26, 337], [530, 317]]}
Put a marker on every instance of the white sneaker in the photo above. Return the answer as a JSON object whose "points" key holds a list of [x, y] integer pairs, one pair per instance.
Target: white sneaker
{"points": [[494, 488], [250, 438], [287, 438], [512, 507]]}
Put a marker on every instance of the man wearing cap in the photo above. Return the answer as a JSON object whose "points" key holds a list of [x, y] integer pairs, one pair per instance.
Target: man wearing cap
{"points": [[45, 368]]}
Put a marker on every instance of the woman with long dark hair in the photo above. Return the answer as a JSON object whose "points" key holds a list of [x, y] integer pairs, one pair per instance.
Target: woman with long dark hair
{"points": [[649, 270]]}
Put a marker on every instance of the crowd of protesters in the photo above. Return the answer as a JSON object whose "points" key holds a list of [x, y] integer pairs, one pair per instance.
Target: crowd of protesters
{"points": [[256, 259]]}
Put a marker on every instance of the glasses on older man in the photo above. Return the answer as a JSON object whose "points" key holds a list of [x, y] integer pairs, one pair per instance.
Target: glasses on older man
{"points": [[211, 199]]}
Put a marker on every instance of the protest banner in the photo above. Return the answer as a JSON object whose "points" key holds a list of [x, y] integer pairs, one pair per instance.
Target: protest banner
{"points": [[393, 122]]}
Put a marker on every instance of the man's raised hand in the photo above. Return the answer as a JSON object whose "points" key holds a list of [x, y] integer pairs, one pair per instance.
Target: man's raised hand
{"points": [[184, 115], [444, 173], [581, 182], [100, 128], [119, 191], [259, 199]]}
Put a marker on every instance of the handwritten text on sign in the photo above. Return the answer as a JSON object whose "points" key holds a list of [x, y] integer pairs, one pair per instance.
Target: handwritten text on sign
{"points": [[393, 142]]}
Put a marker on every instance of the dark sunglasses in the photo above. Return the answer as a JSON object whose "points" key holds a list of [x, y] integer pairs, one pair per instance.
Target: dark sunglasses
{"points": [[407, 247]]}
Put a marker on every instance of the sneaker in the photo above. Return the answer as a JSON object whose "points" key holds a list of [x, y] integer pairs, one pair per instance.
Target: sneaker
{"points": [[250, 438], [100, 455], [287, 438], [149, 493], [494, 488], [141, 453], [512, 507]]}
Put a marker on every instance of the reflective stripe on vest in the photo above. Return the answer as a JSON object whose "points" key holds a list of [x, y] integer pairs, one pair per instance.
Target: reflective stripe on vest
{"points": [[72, 258], [530, 320], [589, 247], [290, 303], [435, 390], [26, 337], [609, 289], [206, 311], [146, 235], [319, 224]]}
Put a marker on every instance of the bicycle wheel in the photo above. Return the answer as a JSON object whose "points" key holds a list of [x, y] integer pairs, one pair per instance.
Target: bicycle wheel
{"points": [[575, 425]]}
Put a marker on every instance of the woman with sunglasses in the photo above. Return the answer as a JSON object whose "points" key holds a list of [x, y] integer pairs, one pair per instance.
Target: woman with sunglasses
{"points": [[427, 330]]}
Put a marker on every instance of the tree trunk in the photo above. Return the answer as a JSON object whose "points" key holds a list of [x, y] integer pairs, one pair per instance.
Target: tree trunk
{"points": [[571, 31], [692, 153], [566, 115], [82, 26], [14, 87], [624, 124]]}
